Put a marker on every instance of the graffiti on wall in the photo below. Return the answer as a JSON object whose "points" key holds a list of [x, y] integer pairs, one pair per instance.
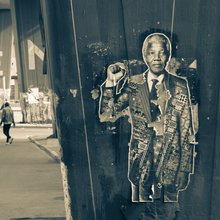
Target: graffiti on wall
{"points": [[161, 103]]}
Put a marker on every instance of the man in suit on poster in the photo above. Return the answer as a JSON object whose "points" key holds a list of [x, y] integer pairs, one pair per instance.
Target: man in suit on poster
{"points": [[161, 155]]}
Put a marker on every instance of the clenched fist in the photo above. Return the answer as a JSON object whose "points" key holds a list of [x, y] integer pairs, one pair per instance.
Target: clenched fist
{"points": [[115, 72]]}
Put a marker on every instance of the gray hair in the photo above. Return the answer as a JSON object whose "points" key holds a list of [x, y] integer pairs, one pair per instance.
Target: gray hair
{"points": [[156, 37]]}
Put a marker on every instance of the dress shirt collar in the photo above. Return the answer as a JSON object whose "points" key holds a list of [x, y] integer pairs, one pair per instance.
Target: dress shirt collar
{"points": [[152, 76]]}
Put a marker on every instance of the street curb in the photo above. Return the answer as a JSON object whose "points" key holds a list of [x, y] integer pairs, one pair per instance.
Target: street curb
{"points": [[18, 125], [51, 153]]}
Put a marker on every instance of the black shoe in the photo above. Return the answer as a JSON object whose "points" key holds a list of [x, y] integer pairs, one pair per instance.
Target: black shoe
{"points": [[11, 140]]}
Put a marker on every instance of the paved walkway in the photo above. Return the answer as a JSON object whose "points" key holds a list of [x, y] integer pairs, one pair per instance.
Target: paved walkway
{"points": [[50, 146], [31, 185]]}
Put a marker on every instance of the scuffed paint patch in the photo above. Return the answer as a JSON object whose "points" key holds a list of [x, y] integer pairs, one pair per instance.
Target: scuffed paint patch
{"points": [[95, 94], [99, 48], [74, 92], [55, 98], [67, 121], [67, 200]]}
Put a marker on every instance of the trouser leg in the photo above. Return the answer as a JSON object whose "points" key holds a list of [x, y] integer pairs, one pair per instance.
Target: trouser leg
{"points": [[156, 210], [6, 130], [159, 210]]}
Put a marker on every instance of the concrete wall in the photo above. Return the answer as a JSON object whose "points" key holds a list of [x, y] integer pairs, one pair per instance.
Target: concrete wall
{"points": [[5, 49], [29, 43], [82, 37]]}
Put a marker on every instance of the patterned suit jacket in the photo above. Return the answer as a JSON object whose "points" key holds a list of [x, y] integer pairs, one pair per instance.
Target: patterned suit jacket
{"points": [[166, 155]]}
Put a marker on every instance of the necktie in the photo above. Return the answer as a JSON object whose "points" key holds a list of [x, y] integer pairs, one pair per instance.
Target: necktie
{"points": [[153, 96], [153, 92]]}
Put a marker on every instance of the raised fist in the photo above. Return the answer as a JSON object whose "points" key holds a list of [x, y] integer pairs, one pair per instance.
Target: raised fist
{"points": [[115, 72]]}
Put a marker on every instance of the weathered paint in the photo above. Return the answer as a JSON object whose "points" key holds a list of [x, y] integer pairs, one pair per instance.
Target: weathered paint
{"points": [[95, 155]]}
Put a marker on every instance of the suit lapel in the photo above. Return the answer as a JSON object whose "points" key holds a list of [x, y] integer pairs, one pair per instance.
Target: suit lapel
{"points": [[144, 97], [169, 85]]}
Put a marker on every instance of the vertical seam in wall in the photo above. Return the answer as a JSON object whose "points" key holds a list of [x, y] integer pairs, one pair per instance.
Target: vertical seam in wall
{"points": [[214, 156], [83, 110], [172, 21]]}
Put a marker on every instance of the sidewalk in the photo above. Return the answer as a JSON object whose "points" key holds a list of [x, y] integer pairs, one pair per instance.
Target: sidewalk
{"points": [[51, 146], [31, 186]]}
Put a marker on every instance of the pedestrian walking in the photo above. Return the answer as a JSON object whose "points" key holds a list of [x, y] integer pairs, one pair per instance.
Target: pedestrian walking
{"points": [[7, 119]]}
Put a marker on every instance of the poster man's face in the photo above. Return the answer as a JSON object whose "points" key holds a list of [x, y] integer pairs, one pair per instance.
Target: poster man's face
{"points": [[156, 57]]}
